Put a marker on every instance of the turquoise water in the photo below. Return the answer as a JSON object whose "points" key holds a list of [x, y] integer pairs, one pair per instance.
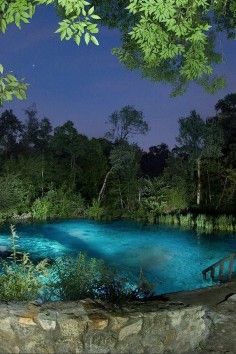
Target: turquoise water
{"points": [[171, 258]]}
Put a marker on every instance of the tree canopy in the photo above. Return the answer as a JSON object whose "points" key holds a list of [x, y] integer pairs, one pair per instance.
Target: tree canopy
{"points": [[166, 40], [126, 123], [59, 172]]}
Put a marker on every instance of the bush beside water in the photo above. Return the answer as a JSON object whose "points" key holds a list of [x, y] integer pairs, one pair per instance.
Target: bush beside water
{"points": [[21, 279], [201, 222], [83, 277], [58, 204], [44, 210], [67, 279]]}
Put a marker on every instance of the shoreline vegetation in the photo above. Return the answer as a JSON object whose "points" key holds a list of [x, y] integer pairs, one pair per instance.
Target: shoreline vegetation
{"points": [[51, 172], [22, 279], [201, 222]]}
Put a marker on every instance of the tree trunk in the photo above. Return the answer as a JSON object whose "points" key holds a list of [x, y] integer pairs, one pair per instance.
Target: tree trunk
{"points": [[72, 166], [199, 184], [222, 194], [139, 195], [121, 199], [42, 175], [209, 187], [104, 185]]}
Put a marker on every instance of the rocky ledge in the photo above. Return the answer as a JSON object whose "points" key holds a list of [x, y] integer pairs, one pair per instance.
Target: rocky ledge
{"points": [[141, 327], [92, 327]]}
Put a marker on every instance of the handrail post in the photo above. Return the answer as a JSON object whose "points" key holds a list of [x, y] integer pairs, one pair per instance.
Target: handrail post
{"points": [[221, 272], [231, 266], [221, 264], [213, 273]]}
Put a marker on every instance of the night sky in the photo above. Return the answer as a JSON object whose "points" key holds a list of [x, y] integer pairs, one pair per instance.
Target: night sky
{"points": [[86, 84]]}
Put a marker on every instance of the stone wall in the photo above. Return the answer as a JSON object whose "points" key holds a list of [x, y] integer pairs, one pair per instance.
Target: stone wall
{"points": [[93, 327]]}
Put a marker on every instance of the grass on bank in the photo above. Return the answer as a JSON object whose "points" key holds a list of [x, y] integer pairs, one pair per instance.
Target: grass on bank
{"points": [[62, 203], [201, 222]]}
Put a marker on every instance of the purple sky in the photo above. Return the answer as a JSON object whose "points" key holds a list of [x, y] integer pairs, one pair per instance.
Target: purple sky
{"points": [[87, 84]]}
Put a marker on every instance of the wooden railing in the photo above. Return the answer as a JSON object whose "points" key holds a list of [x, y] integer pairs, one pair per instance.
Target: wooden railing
{"points": [[224, 273]]}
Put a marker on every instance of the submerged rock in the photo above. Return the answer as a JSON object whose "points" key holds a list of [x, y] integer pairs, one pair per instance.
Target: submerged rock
{"points": [[4, 252]]}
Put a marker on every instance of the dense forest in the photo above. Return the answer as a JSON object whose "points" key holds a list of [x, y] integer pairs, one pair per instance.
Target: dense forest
{"points": [[48, 172]]}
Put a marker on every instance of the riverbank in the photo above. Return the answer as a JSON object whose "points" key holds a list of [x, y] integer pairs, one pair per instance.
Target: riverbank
{"points": [[200, 222]]}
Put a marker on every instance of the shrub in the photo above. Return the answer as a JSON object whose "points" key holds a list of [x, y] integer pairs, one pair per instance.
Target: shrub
{"points": [[204, 223], [95, 211], [41, 209], [3, 217], [115, 287], [151, 207], [70, 279], [176, 199], [166, 219], [21, 280], [145, 288], [58, 204], [201, 222], [186, 220], [13, 194], [88, 277], [225, 223], [77, 278], [139, 214]]}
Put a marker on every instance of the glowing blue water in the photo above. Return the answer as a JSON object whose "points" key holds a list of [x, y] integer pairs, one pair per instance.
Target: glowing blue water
{"points": [[171, 258]]}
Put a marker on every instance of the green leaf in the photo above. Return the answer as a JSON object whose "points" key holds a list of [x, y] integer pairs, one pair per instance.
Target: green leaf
{"points": [[77, 40], [91, 11], [87, 38], [94, 40], [17, 20], [11, 77], [96, 17], [63, 34]]}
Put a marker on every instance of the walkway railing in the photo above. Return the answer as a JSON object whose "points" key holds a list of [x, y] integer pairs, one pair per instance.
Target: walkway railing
{"points": [[224, 272]]}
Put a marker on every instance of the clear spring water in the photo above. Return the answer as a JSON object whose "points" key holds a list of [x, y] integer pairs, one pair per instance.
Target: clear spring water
{"points": [[171, 258]]}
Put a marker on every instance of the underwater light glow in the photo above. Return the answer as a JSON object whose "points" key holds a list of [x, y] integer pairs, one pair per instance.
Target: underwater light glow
{"points": [[171, 258]]}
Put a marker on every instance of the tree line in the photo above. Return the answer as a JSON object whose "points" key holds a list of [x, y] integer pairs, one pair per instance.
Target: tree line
{"points": [[59, 172]]}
